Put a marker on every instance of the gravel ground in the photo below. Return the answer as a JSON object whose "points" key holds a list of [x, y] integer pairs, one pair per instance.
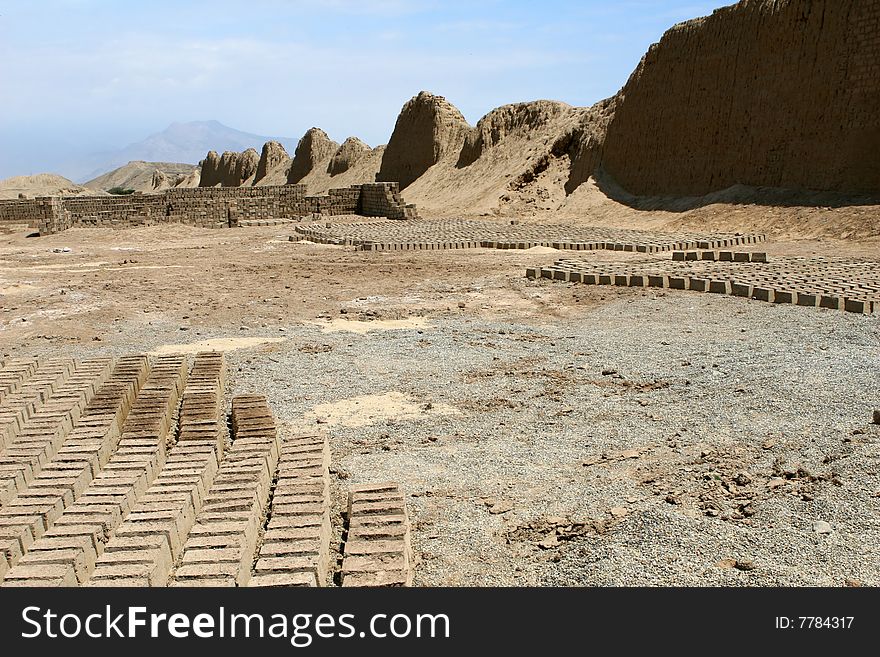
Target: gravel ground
{"points": [[721, 438]]}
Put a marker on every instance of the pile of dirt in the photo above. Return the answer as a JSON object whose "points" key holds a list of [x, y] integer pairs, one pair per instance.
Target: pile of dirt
{"points": [[41, 184], [313, 151], [142, 176]]}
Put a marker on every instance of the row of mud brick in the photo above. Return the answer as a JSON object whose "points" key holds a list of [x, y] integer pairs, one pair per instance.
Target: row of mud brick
{"points": [[446, 234], [732, 287], [119, 476], [721, 256], [207, 207]]}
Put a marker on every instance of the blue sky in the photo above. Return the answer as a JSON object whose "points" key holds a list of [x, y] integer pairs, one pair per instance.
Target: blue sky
{"points": [[90, 75]]}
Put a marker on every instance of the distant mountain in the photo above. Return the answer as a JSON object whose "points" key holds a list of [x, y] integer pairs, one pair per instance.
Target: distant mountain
{"points": [[179, 142]]}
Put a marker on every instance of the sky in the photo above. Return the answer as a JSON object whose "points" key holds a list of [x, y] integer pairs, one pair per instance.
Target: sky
{"points": [[80, 76]]}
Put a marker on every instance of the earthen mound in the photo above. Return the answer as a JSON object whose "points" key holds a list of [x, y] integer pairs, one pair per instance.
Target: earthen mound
{"points": [[347, 155], [314, 147], [427, 129], [273, 154]]}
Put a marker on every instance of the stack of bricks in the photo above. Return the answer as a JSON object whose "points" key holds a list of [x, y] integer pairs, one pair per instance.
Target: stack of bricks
{"points": [[384, 200], [377, 548], [82, 455], [64, 553], [145, 546], [295, 548], [42, 431], [221, 545]]}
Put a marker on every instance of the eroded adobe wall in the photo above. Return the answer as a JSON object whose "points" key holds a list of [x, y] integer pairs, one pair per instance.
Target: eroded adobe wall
{"points": [[207, 207], [781, 93]]}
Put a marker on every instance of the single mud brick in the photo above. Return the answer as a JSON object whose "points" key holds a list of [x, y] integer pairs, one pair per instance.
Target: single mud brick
{"points": [[378, 579], [827, 301], [759, 256], [283, 580], [807, 299], [124, 574], [783, 296], [677, 282], [856, 306], [41, 575], [763, 294], [605, 279], [373, 563], [678, 255], [741, 256], [725, 256], [655, 280], [740, 289], [236, 571], [719, 287]]}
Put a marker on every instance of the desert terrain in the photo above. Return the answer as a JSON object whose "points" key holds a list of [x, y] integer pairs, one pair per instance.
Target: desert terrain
{"points": [[632, 344]]}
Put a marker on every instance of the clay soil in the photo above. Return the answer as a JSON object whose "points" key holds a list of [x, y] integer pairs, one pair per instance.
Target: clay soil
{"points": [[544, 432]]}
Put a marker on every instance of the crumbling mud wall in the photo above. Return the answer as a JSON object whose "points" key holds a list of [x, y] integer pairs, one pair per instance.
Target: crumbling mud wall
{"points": [[780, 93], [206, 207]]}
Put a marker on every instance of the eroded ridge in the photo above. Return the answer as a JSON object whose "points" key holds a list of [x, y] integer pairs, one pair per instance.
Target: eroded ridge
{"points": [[377, 549], [295, 548], [79, 459], [65, 553], [145, 546], [219, 550], [836, 284]]}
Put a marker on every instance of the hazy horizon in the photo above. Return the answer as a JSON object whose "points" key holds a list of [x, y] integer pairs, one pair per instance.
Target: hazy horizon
{"points": [[87, 76]]}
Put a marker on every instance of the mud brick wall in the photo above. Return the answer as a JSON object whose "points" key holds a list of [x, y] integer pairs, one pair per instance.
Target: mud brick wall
{"points": [[44, 213], [206, 207], [780, 93]]}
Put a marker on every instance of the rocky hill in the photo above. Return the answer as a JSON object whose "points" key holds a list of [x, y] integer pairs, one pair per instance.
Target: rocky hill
{"points": [[143, 176]]}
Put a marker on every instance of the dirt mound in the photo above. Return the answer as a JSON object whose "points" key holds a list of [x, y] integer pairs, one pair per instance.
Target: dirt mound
{"points": [[272, 156], [313, 150], [781, 93], [352, 150], [141, 176], [41, 184], [427, 129]]}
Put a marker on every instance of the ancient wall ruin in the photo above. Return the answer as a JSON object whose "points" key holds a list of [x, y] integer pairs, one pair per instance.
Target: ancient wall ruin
{"points": [[206, 207], [780, 93]]}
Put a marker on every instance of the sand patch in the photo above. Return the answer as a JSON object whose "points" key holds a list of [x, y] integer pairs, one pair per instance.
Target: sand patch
{"points": [[542, 249], [213, 344], [337, 325], [370, 409]]}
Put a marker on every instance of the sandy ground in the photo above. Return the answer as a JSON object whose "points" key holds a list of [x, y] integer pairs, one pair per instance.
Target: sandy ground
{"points": [[545, 433]]}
